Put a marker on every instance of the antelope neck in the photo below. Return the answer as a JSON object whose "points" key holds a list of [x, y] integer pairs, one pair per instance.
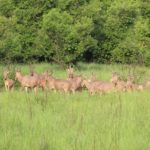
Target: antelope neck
{"points": [[20, 78]]}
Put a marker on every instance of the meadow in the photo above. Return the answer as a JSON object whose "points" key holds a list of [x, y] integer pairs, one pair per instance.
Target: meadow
{"points": [[58, 121]]}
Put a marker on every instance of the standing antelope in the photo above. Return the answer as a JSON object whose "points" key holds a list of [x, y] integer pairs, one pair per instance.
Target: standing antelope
{"points": [[27, 81], [42, 79], [58, 84], [75, 80], [90, 85], [133, 86], [76, 83], [98, 86], [120, 85], [9, 83]]}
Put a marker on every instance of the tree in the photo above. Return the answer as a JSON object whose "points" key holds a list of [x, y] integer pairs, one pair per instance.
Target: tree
{"points": [[68, 39]]}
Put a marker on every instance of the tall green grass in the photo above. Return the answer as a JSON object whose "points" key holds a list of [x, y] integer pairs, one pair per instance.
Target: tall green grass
{"points": [[58, 121]]}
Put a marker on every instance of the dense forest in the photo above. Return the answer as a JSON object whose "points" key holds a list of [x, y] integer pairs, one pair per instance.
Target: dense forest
{"points": [[68, 31]]}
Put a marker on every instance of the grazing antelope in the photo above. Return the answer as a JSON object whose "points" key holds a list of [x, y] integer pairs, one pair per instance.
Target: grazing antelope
{"points": [[27, 81], [9, 83]]}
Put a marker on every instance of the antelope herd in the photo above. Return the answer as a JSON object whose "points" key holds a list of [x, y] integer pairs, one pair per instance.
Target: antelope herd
{"points": [[73, 83]]}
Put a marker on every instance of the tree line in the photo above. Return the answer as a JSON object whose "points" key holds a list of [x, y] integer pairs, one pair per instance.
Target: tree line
{"points": [[68, 31]]}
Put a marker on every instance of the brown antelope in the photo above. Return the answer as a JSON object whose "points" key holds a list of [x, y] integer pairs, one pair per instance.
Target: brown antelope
{"points": [[129, 83], [132, 86], [98, 86], [76, 83], [42, 79], [75, 80], [9, 83], [90, 85], [105, 87], [118, 84], [59, 84], [27, 81], [70, 85]]}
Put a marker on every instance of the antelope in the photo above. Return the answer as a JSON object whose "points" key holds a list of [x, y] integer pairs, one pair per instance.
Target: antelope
{"points": [[42, 79], [119, 84], [70, 85], [9, 83], [129, 83], [58, 84], [76, 83], [114, 79], [27, 81], [105, 87], [98, 86], [88, 85], [92, 84], [132, 86]]}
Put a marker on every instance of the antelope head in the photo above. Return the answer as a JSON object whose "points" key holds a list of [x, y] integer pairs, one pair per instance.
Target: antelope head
{"points": [[114, 78], [5, 74], [70, 72], [18, 74]]}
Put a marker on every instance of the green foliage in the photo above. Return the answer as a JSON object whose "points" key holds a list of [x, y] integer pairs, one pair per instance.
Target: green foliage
{"points": [[66, 31]]}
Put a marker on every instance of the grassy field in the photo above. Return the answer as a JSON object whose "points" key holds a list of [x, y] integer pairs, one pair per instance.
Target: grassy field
{"points": [[58, 121]]}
